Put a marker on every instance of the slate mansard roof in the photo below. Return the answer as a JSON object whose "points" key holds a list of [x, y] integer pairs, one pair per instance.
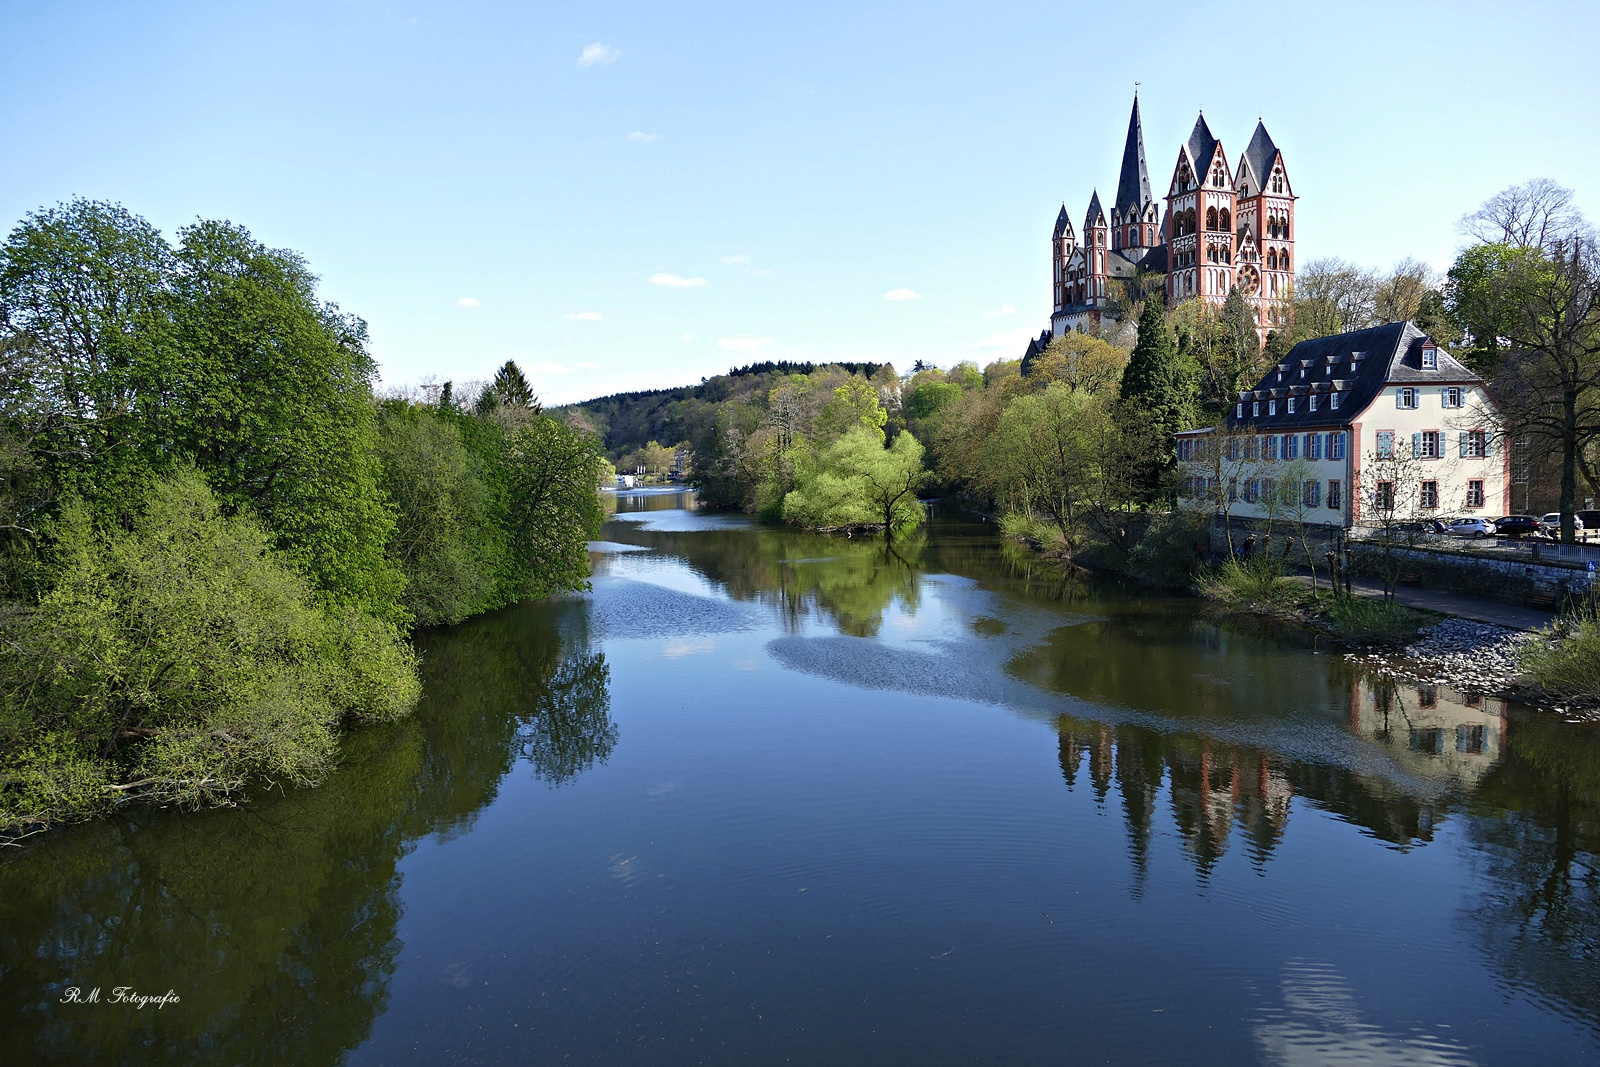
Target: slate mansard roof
{"points": [[1355, 365]]}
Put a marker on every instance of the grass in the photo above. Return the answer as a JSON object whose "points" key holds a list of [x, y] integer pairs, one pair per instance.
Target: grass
{"points": [[1568, 665], [1363, 618], [1256, 586]]}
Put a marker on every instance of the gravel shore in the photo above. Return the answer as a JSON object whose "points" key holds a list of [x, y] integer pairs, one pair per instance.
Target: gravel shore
{"points": [[1474, 657]]}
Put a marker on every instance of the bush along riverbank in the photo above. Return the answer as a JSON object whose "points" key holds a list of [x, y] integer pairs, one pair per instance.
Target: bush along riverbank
{"points": [[214, 537]]}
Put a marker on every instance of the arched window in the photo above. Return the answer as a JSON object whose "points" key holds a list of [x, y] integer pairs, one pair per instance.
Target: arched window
{"points": [[1149, 235], [1272, 260], [1226, 217], [1283, 229], [1211, 218], [1283, 261]]}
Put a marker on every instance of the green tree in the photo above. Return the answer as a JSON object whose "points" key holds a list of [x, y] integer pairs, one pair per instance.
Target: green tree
{"points": [[1042, 457], [177, 659], [1155, 379], [85, 301], [552, 509], [859, 482], [445, 540], [854, 404], [508, 392], [273, 401]]}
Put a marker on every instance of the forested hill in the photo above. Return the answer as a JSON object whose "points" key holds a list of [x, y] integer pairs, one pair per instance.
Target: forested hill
{"points": [[626, 422]]}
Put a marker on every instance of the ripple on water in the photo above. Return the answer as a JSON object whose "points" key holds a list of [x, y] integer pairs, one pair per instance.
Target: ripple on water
{"points": [[627, 609]]}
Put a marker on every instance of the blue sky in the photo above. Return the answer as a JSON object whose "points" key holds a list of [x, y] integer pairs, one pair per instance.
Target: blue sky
{"points": [[625, 196]]}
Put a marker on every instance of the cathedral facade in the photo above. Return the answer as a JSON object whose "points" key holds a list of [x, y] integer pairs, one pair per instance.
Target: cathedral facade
{"points": [[1221, 227]]}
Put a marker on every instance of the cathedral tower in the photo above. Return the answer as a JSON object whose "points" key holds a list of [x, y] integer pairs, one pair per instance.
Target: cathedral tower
{"points": [[1134, 215], [1200, 219], [1266, 209], [1096, 234], [1062, 244]]}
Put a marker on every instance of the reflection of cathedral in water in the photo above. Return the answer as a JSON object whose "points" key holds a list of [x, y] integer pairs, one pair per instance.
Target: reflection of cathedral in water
{"points": [[1214, 789]]}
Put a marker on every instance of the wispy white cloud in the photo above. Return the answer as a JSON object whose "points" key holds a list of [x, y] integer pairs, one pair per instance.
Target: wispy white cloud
{"points": [[550, 368], [1017, 339], [640, 137], [587, 366], [902, 294], [468, 302], [1003, 309], [743, 342], [742, 257], [584, 316], [597, 53], [675, 281]]}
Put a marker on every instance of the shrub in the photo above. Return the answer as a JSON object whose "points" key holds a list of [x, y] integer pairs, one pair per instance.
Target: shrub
{"points": [[1251, 585], [1370, 618], [1165, 553], [178, 658], [1569, 664]]}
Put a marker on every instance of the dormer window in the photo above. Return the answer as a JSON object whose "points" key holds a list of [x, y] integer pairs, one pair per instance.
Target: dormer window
{"points": [[1272, 407], [1238, 410], [1255, 409], [1290, 402], [1311, 402], [1333, 401], [1430, 357]]}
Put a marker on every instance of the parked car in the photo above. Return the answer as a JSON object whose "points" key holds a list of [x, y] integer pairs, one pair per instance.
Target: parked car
{"points": [[1516, 526], [1415, 531], [1474, 528], [1550, 525], [1591, 519]]}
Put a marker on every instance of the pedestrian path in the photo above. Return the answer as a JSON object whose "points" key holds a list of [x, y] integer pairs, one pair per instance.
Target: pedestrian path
{"points": [[1467, 607]]}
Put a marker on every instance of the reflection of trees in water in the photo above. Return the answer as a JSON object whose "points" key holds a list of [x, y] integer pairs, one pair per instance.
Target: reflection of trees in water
{"points": [[850, 580], [1211, 788], [276, 923], [572, 728], [1536, 832]]}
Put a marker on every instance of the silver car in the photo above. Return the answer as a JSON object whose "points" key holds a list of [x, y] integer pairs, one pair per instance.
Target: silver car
{"points": [[1474, 528], [1550, 525]]}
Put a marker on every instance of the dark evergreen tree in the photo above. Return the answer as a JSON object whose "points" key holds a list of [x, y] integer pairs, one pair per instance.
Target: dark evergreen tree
{"points": [[512, 387], [1155, 379]]}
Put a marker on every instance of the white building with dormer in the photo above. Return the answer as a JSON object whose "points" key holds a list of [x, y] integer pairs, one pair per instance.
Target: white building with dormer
{"points": [[1379, 420]]}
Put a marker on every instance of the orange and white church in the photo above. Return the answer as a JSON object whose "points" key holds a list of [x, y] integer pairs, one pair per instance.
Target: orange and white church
{"points": [[1223, 227]]}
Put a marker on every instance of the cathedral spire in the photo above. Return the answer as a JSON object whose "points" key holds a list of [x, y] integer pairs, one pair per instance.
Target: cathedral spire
{"points": [[1133, 185]]}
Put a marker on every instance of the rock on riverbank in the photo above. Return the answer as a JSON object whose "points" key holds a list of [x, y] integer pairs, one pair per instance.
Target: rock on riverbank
{"points": [[1474, 657]]}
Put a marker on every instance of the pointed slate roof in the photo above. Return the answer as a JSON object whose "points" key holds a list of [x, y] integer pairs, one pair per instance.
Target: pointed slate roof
{"points": [[1063, 224], [1095, 212], [1201, 144], [1133, 185], [1260, 153]]}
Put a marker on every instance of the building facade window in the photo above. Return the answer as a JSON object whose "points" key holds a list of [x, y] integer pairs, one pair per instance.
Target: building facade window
{"points": [[1313, 446], [1453, 397], [1474, 444], [1333, 494], [1383, 496], [1385, 444], [1250, 491], [1430, 495], [1430, 358], [1406, 398], [1233, 490], [1290, 401], [1426, 444], [1333, 400], [1336, 446], [1271, 450], [1272, 407], [1291, 446], [1255, 409], [1313, 493], [1475, 494]]}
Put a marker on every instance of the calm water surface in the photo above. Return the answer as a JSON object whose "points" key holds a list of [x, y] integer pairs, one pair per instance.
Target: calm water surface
{"points": [[765, 797]]}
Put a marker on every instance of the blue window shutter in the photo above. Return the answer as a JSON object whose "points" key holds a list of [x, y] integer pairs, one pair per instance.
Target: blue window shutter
{"points": [[1463, 444], [1488, 444], [1416, 445]]}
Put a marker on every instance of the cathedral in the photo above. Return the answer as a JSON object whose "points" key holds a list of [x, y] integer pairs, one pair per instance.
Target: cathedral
{"points": [[1222, 227]]}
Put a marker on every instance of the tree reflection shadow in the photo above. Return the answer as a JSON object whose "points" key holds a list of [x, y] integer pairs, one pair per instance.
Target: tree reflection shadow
{"points": [[276, 924]]}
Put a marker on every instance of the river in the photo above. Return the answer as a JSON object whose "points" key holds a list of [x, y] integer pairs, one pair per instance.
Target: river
{"points": [[765, 797]]}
